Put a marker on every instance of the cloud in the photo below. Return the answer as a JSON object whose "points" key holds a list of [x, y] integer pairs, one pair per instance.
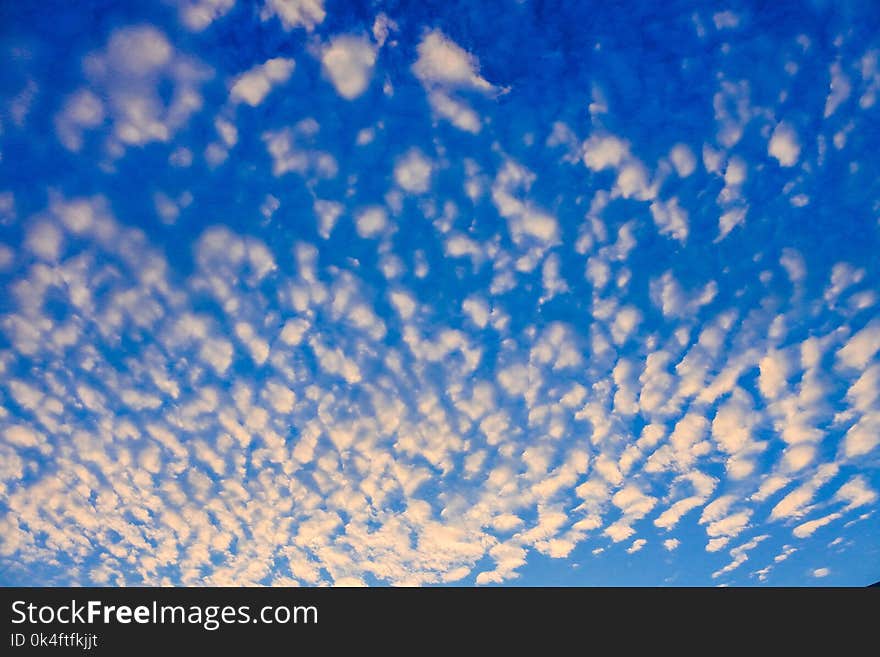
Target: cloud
{"points": [[683, 160], [125, 79], [856, 492], [443, 62], [412, 172], [840, 90], [291, 151], [808, 528], [371, 222], [348, 62], [295, 13], [199, 14], [740, 555], [252, 86], [784, 145], [82, 111], [670, 218], [861, 347], [795, 503], [637, 545], [445, 68]]}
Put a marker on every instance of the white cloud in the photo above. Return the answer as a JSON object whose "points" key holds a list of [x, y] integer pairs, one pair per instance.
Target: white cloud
{"points": [[856, 492], [861, 348], [637, 545], [795, 504], [127, 76], [725, 20], [477, 310], [252, 86], [382, 27], [840, 89], [348, 63], [295, 13], [526, 223], [293, 331], [793, 263], [443, 68], [412, 172], [773, 374], [7, 257], [683, 160], [671, 544], [199, 14], [441, 61], [82, 110], [45, 240], [328, 213], [729, 220], [821, 572], [670, 517], [604, 151], [668, 295], [784, 145], [371, 221], [740, 555], [809, 528], [403, 303], [291, 151], [862, 437]]}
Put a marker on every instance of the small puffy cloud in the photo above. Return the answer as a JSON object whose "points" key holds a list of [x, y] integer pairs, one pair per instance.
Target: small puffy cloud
{"points": [[291, 151], [809, 528], [840, 89], [293, 331], [793, 263], [671, 543], [403, 303], [671, 219], [412, 172], [821, 572], [683, 160], [856, 492], [797, 502], [674, 301], [45, 240], [252, 86], [637, 545], [371, 222], [773, 374], [861, 348], [477, 310], [82, 110], [444, 68], [328, 213], [295, 13], [784, 145], [604, 151], [729, 220], [443, 62], [863, 436], [725, 20], [7, 257], [147, 89], [199, 14], [348, 63], [23, 436]]}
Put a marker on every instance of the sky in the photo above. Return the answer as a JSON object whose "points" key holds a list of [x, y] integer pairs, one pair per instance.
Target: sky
{"points": [[321, 292]]}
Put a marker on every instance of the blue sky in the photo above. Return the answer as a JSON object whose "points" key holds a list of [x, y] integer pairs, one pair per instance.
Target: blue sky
{"points": [[316, 292]]}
